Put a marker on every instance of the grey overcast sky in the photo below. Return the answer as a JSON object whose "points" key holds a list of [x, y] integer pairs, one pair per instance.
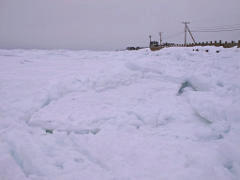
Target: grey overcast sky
{"points": [[110, 24]]}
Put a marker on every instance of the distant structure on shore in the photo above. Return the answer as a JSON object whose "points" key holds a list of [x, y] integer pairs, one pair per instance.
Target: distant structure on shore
{"points": [[134, 48], [154, 45]]}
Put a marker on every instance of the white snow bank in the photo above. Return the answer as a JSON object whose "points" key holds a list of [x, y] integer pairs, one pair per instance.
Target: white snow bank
{"points": [[171, 114]]}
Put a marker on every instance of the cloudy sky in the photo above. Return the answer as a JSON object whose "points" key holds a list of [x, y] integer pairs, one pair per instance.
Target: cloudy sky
{"points": [[110, 24]]}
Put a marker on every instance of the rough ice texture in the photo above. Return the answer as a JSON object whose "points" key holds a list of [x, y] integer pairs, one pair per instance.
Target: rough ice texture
{"points": [[167, 115]]}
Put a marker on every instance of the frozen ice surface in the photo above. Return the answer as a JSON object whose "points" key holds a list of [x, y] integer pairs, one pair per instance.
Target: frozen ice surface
{"points": [[69, 115]]}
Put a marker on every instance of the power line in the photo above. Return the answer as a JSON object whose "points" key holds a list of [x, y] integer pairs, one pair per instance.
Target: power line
{"points": [[220, 30], [217, 29], [217, 26], [222, 27]]}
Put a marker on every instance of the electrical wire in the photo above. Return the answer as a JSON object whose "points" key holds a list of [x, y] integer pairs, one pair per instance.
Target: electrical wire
{"points": [[220, 30], [219, 27]]}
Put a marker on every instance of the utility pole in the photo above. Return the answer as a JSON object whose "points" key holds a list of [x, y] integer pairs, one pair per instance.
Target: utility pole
{"points": [[150, 37], [185, 32], [191, 35], [160, 35], [186, 29]]}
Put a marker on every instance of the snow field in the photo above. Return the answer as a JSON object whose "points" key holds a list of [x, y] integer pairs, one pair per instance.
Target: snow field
{"points": [[172, 114]]}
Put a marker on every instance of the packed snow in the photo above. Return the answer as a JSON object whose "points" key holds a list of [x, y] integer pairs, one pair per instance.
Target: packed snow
{"points": [[173, 114]]}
